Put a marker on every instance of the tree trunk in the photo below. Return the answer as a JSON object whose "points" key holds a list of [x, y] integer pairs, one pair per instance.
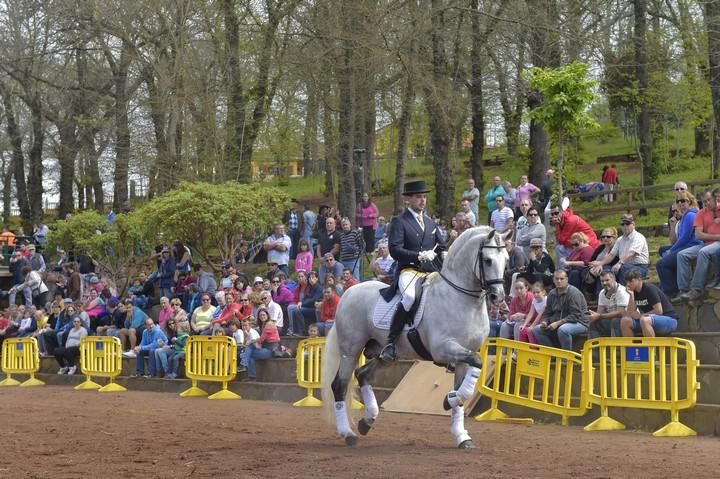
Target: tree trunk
{"points": [[346, 200], [702, 139], [712, 22], [17, 165], [35, 173], [7, 187], [235, 93], [476, 99], [122, 135], [310, 159], [641, 74], [408, 98]]}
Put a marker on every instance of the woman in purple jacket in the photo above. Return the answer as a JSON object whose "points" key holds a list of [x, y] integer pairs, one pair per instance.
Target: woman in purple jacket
{"points": [[367, 214]]}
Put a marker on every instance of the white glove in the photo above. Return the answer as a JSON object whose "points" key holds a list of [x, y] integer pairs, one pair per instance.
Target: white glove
{"points": [[427, 256]]}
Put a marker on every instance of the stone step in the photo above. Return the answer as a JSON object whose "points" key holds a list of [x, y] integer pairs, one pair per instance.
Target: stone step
{"points": [[703, 418], [700, 317]]}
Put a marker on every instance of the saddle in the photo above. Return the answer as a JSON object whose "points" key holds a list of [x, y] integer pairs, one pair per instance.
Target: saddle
{"points": [[389, 292]]}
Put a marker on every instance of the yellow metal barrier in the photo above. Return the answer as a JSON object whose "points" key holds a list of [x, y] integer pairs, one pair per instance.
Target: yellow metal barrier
{"points": [[641, 373], [210, 358], [532, 376], [20, 356], [309, 371], [100, 356]]}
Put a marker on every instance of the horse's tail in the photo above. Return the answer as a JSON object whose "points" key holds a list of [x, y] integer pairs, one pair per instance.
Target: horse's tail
{"points": [[331, 364]]}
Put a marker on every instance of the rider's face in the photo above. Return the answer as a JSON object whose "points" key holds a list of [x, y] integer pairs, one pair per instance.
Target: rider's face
{"points": [[417, 201]]}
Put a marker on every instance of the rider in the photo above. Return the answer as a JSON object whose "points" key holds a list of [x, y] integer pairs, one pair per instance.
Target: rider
{"points": [[415, 241]]}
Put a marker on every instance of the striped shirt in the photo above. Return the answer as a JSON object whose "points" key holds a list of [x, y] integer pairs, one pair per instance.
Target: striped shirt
{"points": [[349, 245]]}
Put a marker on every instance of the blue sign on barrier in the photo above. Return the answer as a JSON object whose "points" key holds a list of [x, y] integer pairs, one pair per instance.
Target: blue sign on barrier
{"points": [[633, 354]]}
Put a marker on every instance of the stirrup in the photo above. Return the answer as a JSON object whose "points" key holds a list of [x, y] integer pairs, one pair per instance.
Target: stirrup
{"points": [[388, 353]]}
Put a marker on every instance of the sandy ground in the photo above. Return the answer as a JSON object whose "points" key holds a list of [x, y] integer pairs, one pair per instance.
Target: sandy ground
{"points": [[56, 432]]}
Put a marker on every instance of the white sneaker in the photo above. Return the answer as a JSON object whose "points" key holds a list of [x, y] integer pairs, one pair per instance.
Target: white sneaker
{"points": [[129, 354], [63, 370], [72, 370]]}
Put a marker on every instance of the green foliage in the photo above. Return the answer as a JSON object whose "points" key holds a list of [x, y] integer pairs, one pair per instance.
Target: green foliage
{"points": [[215, 219]]}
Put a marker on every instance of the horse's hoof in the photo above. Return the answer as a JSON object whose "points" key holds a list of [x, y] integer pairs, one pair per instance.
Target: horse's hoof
{"points": [[446, 404], [352, 440], [363, 427], [467, 444]]}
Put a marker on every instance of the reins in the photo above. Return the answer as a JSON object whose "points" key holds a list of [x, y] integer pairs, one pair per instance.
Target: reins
{"points": [[484, 284]]}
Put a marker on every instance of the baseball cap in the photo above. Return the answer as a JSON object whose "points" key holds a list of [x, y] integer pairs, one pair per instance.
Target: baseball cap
{"points": [[627, 220], [328, 256], [536, 242], [257, 279]]}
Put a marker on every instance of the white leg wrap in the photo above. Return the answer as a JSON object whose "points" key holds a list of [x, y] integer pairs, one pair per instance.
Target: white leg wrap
{"points": [[457, 425], [341, 419], [454, 399], [371, 406], [467, 388]]}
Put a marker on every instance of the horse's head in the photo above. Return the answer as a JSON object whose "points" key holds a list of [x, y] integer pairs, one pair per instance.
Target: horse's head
{"points": [[492, 258]]}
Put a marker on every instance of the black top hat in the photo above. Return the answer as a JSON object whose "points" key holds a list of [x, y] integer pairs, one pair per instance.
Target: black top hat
{"points": [[414, 187]]}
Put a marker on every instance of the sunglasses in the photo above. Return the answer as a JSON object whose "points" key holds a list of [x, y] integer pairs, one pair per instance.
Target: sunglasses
{"points": [[680, 189], [499, 201], [205, 300], [681, 200], [244, 300], [532, 214], [276, 282], [575, 244], [554, 213], [607, 236]]}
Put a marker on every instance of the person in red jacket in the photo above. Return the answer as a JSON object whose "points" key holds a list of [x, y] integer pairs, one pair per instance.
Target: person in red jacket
{"points": [[567, 223], [326, 310]]}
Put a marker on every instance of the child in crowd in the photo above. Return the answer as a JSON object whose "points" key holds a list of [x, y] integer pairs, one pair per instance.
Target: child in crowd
{"points": [[304, 260], [498, 312], [182, 333], [535, 315], [313, 331]]}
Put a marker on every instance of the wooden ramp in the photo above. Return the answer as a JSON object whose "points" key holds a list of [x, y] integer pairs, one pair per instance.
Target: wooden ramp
{"points": [[424, 387]]}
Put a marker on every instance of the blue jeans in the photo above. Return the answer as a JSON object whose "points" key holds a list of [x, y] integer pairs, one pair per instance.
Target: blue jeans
{"points": [[174, 362], [140, 362], [354, 266], [284, 269], [564, 335], [161, 358], [324, 328], [510, 329], [625, 268], [561, 254], [604, 328], [253, 353], [667, 272], [297, 318], [704, 254], [662, 325]]}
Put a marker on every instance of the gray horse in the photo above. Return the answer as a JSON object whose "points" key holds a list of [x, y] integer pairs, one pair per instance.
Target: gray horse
{"points": [[454, 326]]}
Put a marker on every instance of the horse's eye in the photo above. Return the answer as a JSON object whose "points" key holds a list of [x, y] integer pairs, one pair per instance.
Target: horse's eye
{"points": [[488, 262]]}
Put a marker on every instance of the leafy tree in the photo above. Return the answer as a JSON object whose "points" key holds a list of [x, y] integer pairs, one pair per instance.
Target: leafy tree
{"points": [[214, 219], [566, 95]]}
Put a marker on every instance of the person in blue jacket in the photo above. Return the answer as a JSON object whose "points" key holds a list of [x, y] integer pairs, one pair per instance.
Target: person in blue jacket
{"points": [[667, 265], [152, 338], [166, 273]]}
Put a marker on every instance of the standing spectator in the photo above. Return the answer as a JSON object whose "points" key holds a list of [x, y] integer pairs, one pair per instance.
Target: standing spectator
{"points": [[707, 229], [579, 259], [304, 258], [350, 248], [17, 263], [326, 310], [566, 223], [472, 195], [277, 246], [650, 311], [540, 267], [521, 216], [495, 190], [206, 283], [308, 224], [68, 355], [380, 232], [7, 238], [293, 220], [32, 287], [469, 215], [546, 190], [609, 180], [564, 315], [74, 281], [37, 262], [631, 250], [459, 224], [367, 214], [517, 263], [328, 242], [183, 256], [613, 302], [526, 191], [502, 218], [40, 232], [166, 273], [510, 195], [684, 238], [152, 338], [533, 229]]}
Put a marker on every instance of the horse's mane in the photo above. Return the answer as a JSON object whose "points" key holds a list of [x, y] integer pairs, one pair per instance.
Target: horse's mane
{"points": [[466, 236]]}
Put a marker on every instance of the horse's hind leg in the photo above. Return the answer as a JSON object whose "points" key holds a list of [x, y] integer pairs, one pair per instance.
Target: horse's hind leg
{"points": [[339, 388], [365, 376]]}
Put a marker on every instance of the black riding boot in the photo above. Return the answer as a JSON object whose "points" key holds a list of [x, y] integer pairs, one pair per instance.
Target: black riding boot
{"points": [[396, 328]]}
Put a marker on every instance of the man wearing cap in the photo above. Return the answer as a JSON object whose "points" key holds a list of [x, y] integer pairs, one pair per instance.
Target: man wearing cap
{"points": [[277, 246], [415, 242], [329, 265], [37, 262], [631, 249], [540, 268]]}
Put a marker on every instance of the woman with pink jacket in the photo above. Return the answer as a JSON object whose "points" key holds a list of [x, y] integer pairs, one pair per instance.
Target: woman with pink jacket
{"points": [[367, 214]]}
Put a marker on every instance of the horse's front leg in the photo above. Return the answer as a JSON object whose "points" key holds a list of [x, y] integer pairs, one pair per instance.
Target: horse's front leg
{"points": [[464, 389]]}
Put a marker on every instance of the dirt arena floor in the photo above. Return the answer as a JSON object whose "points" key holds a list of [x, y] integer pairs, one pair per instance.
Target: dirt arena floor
{"points": [[56, 432]]}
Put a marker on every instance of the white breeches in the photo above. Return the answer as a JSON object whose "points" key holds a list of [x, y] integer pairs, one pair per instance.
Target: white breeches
{"points": [[406, 284]]}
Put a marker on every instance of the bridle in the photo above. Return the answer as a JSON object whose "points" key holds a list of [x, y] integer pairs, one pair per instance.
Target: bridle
{"points": [[484, 282]]}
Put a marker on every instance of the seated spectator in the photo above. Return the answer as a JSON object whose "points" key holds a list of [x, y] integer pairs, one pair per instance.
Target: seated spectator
{"points": [[206, 283], [185, 279], [114, 321], [183, 257], [566, 223], [519, 310], [177, 352], [132, 328], [263, 348], [348, 281], [564, 315], [166, 312], [579, 259], [613, 301], [68, 355], [5, 329], [540, 267], [258, 286], [152, 338], [263, 316], [382, 264], [43, 332], [331, 280], [27, 325], [241, 285], [535, 315], [631, 249], [201, 317], [326, 310], [684, 238], [280, 293], [592, 276], [498, 313], [469, 215], [692, 285], [459, 224], [313, 332], [303, 313], [517, 263], [229, 311], [532, 228], [673, 225], [380, 231], [273, 308], [502, 218], [272, 271], [330, 265], [649, 311], [304, 258]]}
